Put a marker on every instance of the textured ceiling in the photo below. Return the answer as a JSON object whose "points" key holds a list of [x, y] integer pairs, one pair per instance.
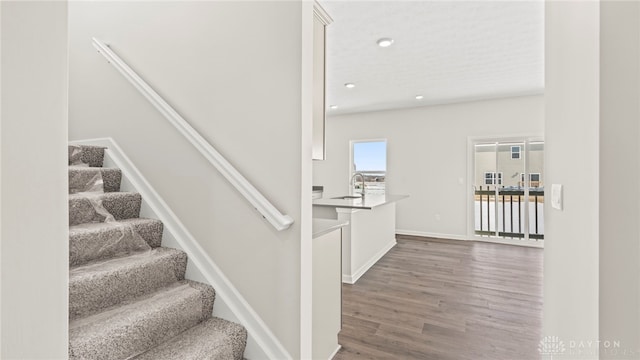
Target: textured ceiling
{"points": [[447, 51]]}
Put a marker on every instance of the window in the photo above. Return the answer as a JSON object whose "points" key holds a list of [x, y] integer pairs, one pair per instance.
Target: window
{"points": [[515, 152], [534, 180], [369, 159], [533, 177], [490, 178]]}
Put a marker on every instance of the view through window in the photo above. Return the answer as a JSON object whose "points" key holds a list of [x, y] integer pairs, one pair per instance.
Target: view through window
{"points": [[369, 159]]}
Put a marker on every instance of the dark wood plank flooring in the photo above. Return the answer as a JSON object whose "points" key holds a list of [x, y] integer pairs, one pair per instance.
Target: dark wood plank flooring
{"points": [[445, 299]]}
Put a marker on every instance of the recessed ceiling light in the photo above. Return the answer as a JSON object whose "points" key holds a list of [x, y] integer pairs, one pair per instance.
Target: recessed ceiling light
{"points": [[333, 107], [419, 97], [384, 42], [349, 85]]}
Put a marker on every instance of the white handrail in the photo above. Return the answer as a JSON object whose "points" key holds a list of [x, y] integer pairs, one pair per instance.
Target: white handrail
{"points": [[259, 202]]}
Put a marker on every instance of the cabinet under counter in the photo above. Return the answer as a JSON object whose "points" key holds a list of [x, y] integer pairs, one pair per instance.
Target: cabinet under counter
{"points": [[327, 287]]}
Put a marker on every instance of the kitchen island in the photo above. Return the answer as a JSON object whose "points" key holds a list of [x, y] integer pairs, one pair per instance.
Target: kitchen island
{"points": [[371, 231]]}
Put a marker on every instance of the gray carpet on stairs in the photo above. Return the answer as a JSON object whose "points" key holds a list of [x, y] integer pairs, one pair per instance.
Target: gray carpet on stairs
{"points": [[124, 278], [95, 241], [88, 155], [81, 178], [134, 327], [203, 342], [121, 205], [127, 294]]}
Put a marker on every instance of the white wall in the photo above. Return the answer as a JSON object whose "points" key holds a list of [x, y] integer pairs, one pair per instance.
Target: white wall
{"points": [[619, 174], [34, 263], [426, 155], [571, 122], [306, 223], [592, 254], [233, 70]]}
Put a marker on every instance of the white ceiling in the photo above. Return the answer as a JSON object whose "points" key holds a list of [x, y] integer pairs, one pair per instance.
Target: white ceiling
{"points": [[447, 51]]}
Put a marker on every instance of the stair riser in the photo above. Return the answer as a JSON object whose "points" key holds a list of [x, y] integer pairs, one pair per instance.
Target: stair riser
{"points": [[85, 246], [125, 337], [83, 180], [212, 339], [84, 154], [100, 290], [120, 205]]}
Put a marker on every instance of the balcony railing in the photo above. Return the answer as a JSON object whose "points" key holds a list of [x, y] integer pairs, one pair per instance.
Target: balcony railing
{"points": [[510, 212]]}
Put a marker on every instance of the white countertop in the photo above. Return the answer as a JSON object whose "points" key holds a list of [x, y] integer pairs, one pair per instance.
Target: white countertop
{"points": [[369, 202], [325, 226]]}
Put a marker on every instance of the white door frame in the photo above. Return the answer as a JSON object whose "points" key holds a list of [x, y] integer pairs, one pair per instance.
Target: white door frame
{"points": [[526, 139]]}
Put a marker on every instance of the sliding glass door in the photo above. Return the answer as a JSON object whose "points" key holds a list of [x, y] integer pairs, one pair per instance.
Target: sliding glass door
{"points": [[508, 196]]}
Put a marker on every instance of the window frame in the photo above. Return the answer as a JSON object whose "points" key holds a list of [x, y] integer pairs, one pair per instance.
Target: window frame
{"points": [[352, 169], [494, 175], [519, 152], [530, 174]]}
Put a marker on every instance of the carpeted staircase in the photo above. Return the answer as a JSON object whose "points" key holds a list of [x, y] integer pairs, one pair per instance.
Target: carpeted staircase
{"points": [[128, 298]]}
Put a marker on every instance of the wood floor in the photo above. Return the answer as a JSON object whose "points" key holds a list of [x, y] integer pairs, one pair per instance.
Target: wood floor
{"points": [[441, 299]]}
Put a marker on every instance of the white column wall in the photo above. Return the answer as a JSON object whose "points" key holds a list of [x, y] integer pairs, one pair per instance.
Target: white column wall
{"points": [[619, 176], [571, 286], [33, 157]]}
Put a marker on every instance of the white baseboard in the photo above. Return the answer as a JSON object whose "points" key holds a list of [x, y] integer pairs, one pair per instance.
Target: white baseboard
{"points": [[351, 279], [525, 243], [335, 352], [530, 243], [431, 235], [227, 296]]}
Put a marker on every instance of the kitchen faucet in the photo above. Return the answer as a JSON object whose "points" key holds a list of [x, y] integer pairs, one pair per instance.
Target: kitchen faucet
{"points": [[352, 182]]}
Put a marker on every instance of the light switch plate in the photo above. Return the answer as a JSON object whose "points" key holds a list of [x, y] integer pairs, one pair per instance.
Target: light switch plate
{"points": [[556, 196]]}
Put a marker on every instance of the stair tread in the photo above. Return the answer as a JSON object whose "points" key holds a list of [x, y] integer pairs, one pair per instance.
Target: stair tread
{"points": [[135, 326], [103, 195], [91, 169], [214, 338], [94, 227], [84, 167], [103, 283], [106, 265]]}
